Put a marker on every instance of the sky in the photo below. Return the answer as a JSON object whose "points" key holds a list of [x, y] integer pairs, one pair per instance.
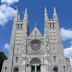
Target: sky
{"points": [[35, 8]]}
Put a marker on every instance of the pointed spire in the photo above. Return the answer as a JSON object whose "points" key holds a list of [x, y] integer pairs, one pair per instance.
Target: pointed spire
{"points": [[26, 17], [45, 11], [46, 19], [25, 22], [25, 13], [17, 16], [55, 17], [46, 14], [55, 10]]}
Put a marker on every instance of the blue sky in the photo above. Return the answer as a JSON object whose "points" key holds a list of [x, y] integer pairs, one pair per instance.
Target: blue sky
{"points": [[36, 15]]}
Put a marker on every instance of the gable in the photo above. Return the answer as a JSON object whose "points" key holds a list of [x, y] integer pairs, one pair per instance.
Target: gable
{"points": [[36, 32]]}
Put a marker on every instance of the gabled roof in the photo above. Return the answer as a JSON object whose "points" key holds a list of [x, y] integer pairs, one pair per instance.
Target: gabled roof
{"points": [[36, 33]]}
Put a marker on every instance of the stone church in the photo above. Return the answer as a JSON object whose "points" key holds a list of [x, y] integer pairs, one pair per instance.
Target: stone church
{"points": [[36, 52]]}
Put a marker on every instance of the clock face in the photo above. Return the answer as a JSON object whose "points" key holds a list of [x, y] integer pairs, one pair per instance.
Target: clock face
{"points": [[35, 45]]}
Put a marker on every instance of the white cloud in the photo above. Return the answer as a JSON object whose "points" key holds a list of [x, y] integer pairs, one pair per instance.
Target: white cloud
{"points": [[6, 46], [68, 53], [6, 13], [66, 34], [9, 1]]}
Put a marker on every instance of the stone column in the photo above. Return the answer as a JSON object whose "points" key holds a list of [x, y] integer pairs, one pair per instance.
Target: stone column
{"points": [[35, 68]]}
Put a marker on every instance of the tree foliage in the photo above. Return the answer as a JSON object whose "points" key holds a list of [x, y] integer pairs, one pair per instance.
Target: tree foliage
{"points": [[2, 58]]}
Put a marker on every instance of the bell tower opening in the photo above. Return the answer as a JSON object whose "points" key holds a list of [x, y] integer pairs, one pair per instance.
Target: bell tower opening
{"points": [[35, 65]]}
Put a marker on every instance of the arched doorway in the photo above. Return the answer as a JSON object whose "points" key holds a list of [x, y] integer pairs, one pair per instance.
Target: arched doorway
{"points": [[55, 69], [16, 69], [35, 65]]}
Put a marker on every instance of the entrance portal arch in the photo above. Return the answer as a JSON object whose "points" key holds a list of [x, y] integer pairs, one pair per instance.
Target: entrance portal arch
{"points": [[35, 65], [55, 69]]}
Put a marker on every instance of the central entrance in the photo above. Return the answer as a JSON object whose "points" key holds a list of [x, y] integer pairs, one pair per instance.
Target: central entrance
{"points": [[35, 68], [35, 65]]}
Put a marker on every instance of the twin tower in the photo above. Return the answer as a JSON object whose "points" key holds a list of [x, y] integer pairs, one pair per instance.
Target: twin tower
{"points": [[35, 52], [46, 20]]}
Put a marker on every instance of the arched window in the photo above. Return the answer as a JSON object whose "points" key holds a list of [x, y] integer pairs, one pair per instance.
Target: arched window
{"points": [[16, 59], [16, 69], [55, 69], [19, 26], [54, 57], [5, 69]]}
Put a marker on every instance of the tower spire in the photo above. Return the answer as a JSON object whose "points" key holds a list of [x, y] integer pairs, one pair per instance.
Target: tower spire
{"points": [[54, 9], [46, 14], [55, 17], [25, 22], [46, 19], [17, 16], [25, 14]]}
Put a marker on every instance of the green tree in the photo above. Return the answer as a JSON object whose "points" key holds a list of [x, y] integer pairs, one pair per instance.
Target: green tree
{"points": [[2, 58]]}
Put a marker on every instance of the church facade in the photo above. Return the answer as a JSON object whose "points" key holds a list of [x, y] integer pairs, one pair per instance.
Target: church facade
{"points": [[36, 52]]}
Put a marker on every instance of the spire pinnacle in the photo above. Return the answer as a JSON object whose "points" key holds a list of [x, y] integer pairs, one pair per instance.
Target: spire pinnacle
{"points": [[16, 13], [45, 10], [25, 22], [46, 14], [55, 10], [55, 17], [46, 19], [17, 16], [25, 14]]}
